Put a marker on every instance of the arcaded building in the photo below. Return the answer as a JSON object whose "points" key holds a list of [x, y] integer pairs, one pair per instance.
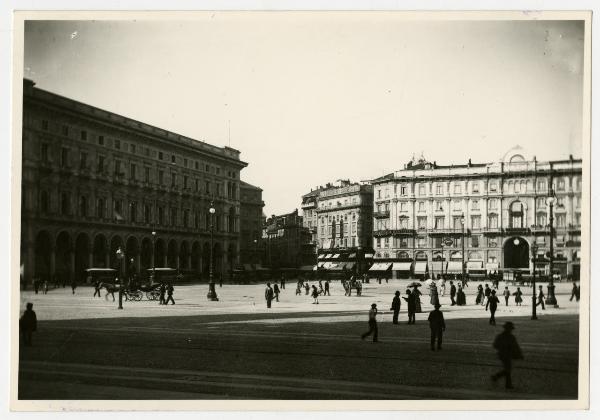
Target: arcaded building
{"points": [[251, 223], [425, 214], [94, 181]]}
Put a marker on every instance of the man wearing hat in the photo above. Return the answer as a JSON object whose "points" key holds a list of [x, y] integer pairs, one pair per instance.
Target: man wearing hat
{"points": [[396, 306], [372, 324], [28, 324], [437, 326], [492, 303], [508, 349]]}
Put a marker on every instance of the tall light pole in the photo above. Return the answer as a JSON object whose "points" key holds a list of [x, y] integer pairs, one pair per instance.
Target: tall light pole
{"points": [[212, 293], [255, 251], [551, 298], [534, 250], [120, 255], [462, 244], [153, 261]]}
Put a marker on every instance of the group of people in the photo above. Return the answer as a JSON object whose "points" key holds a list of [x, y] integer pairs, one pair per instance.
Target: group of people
{"points": [[44, 285]]}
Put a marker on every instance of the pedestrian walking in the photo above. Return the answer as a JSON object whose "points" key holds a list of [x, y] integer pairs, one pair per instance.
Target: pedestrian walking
{"points": [[492, 303], [73, 284], [97, 288], [506, 295], [358, 288], [395, 306], [479, 297], [269, 295], [417, 294], [276, 292], [321, 290], [518, 298], [283, 282], [541, 298], [326, 288], [299, 287], [28, 324], [372, 324], [443, 287], [315, 295], [45, 287], [170, 295], [574, 292], [508, 349], [36, 285], [306, 288], [487, 293], [437, 325], [433, 294], [452, 293], [162, 291], [410, 301], [461, 298]]}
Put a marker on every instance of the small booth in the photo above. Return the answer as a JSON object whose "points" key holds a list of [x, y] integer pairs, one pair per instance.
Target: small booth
{"points": [[402, 269]]}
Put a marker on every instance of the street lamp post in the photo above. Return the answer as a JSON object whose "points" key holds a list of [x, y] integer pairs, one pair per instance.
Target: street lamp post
{"points": [[120, 256], [551, 298], [153, 261], [462, 244], [255, 251], [212, 293], [534, 250]]}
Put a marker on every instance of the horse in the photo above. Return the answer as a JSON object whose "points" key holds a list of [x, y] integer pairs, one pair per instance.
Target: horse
{"points": [[110, 289]]}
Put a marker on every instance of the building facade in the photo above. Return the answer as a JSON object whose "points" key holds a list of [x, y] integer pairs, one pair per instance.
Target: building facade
{"points": [[341, 216], [251, 224], [287, 241], [426, 215], [94, 181]]}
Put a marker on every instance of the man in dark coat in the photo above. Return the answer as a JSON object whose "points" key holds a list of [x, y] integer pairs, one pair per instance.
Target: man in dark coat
{"points": [[28, 324], [452, 293], [97, 288], [269, 295], [372, 324], [412, 306], [283, 281], [396, 306], [326, 288], [508, 349], [492, 303], [170, 295], [574, 292], [162, 291], [487, 292], [437, 325], [541, 298]]}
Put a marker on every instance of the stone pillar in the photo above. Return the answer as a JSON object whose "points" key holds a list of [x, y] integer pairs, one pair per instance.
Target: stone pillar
{"points": [[72, 266], [91, 259], [107, 260], [52, 262], [189, 260], [177, 261]]}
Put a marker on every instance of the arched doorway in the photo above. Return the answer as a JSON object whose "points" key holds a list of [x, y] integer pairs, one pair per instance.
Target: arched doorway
{"points": [[132, 251], [231, 256], [82, 256], [115, 243], [516, 253], [146, 255], [159, 256], [172, 254], [196, 253], [184, 256], [63, 256], [43, 248], [99, 251]]}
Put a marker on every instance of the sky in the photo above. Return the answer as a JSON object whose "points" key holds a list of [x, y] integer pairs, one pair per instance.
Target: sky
{"points": [[310, 98]]}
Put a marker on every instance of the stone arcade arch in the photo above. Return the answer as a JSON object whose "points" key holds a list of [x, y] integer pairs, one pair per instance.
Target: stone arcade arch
{"points": [[82, 256], [516, 253]]}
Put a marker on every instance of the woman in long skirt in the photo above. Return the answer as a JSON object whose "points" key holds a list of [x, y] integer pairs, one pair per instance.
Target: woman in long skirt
{"points": [[460, 297], [417, 294], [433, 295]]}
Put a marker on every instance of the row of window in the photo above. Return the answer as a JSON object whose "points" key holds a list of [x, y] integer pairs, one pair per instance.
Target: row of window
{"points": [[141, 214], [150, 175], [132, 148], [492, 204], [511, 186], [339, 230], [473, 241], [339, 242], [516, 220]]}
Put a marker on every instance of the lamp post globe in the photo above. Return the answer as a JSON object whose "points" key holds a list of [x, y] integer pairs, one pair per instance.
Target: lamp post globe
{"points": [[153, 261], [212, 293], [462, 244], [120, 255], [534, 250], [550, 297]]}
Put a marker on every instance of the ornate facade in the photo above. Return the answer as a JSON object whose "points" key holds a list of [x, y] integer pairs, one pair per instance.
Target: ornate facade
{"points": [[94, 181], [423, 213]]}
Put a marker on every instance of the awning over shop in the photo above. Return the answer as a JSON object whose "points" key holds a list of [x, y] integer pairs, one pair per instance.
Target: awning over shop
{"points": [[437, 266], [336, 267], [491, 267], [327, 256], [401, 266], [321, 256], [454, 267], [335, 257], [420, 267], [474, 265], [322, 264], [380, 266], [368, 255], [353, 255]]}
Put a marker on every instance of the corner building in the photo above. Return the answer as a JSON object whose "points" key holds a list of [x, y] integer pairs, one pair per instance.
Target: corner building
{"points": [[94, 181], [419, 213]]}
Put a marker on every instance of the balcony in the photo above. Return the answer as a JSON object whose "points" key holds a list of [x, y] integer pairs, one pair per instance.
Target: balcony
{"points": [[517, 231], [493, 231], [447, 232], [394, 232], [574, 228], [381, 214], [540, 230]]}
